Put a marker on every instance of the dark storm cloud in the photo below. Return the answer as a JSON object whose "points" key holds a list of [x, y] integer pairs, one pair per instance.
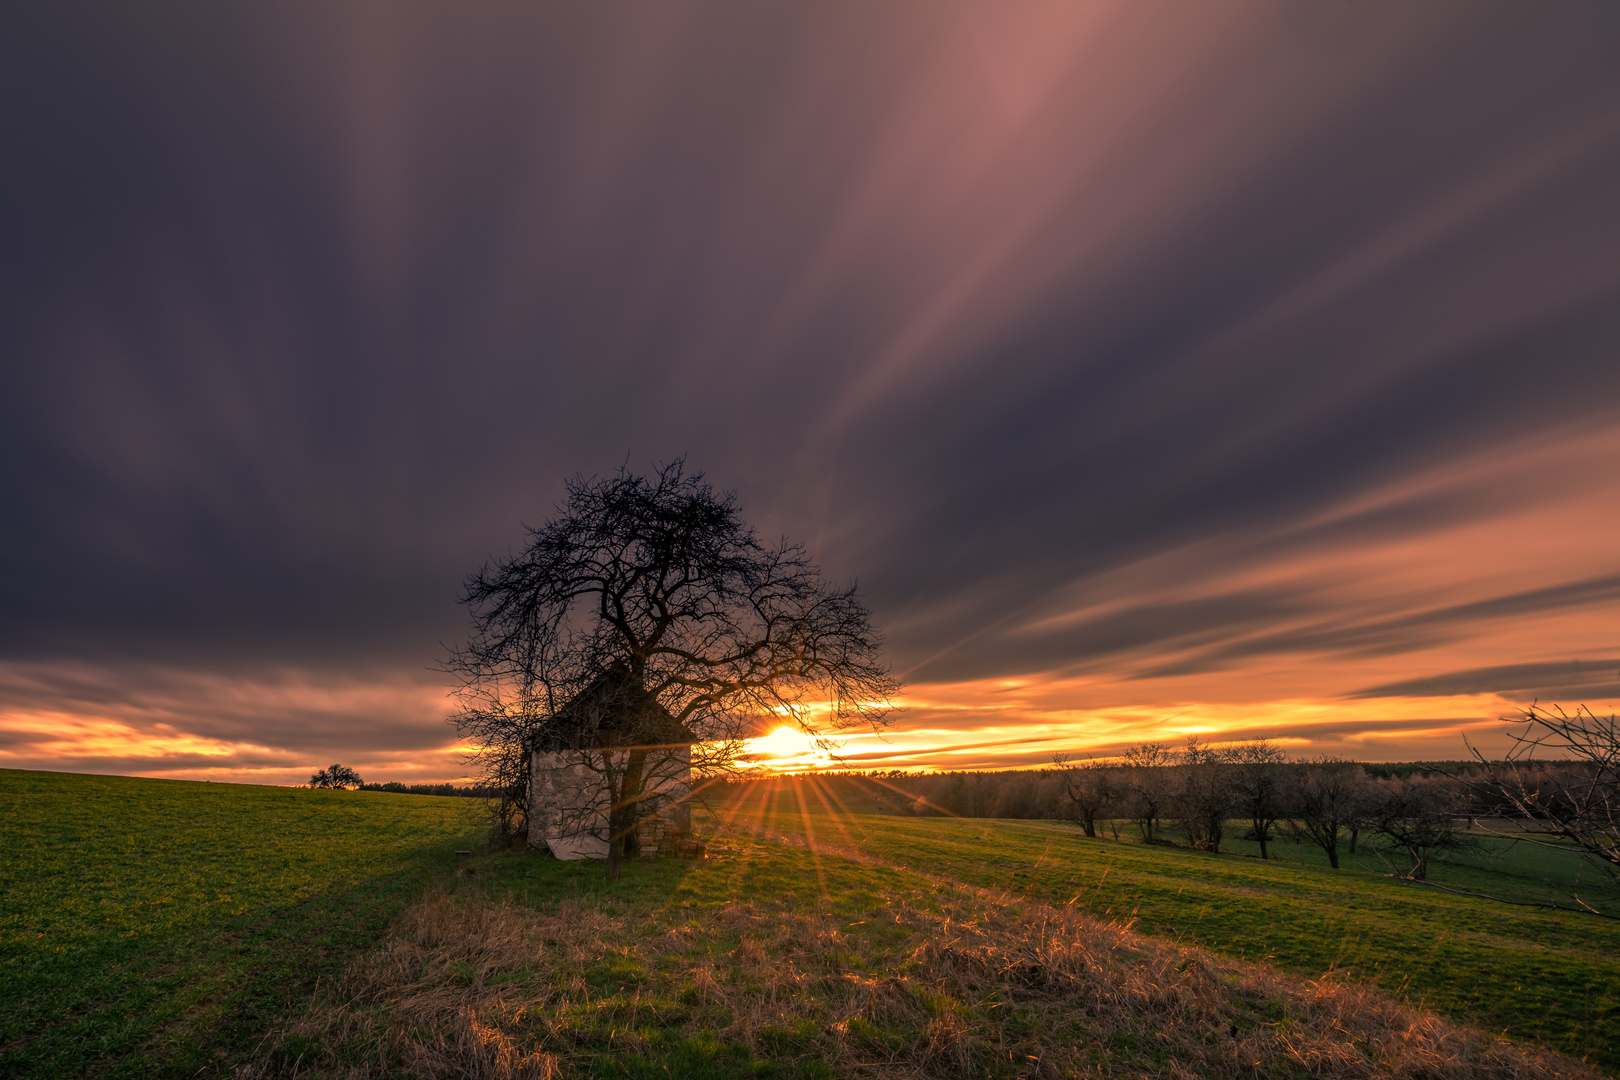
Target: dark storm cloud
{"points": [[1403, 634], [1568, 680], [304, 310]]}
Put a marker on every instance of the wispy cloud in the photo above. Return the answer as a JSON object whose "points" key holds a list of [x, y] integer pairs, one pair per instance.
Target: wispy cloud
{"points": [[1222, 366]]}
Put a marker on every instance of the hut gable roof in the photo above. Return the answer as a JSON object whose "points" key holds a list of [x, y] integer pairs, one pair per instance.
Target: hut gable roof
{"points": [[613, 710]]}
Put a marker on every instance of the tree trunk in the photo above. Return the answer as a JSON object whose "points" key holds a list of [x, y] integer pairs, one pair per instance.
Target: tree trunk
{"points": [[1260, 830], [625, 811]]}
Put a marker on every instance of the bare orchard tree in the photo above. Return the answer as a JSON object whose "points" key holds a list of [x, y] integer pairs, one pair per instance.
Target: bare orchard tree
{"points": [[1258, 780], [1203, 795], [1090, 789], [1569, 801], [1324, 798], [1422, 815], [1146, 776], [658, 579], [503, 774]]}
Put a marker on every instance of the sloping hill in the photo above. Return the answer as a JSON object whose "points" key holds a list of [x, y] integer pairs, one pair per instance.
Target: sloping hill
{"points": [[785, 960], [156, 928], [1550, 977], [159, 927]]}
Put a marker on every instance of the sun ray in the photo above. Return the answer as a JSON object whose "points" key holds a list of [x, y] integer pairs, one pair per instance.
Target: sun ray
{"points": [[810, 839], [839, 816]]}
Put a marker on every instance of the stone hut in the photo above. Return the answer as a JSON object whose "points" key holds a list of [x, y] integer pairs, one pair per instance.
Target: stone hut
{"points": [[611, 743]]}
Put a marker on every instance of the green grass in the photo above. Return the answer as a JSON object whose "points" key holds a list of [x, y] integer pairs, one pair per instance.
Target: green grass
{"points": [[154, 927], [160, 928], [1541, 976], [630, 1024], [779, 960]]}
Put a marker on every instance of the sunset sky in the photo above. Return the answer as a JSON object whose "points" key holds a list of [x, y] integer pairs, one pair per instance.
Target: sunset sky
{"points": [[1240, 370]]}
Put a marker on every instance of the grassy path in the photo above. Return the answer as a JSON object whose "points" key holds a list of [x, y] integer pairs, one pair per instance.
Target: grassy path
{"points": [[1534, 975], [152, 927]]}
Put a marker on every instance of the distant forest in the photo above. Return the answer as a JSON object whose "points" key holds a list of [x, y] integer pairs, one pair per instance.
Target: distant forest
{"points": [[1021, 793], [471, 791]]}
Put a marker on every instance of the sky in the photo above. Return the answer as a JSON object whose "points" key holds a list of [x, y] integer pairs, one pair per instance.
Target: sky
{"points": [[1247, 370]]}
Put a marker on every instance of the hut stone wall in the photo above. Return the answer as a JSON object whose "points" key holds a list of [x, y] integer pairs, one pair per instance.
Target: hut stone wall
{"points": [[568, 803]]}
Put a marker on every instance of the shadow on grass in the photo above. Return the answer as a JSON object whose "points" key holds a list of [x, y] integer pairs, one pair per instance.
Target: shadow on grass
{"points": [[198, 1002], [537, 879]]}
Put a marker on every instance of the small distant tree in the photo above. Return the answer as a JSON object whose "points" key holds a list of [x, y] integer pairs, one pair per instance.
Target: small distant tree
{"points": [[1324, 798], [1203, 793], [336, 776], [1421, 815], [1089, 790], [1258, 780], [1146, 786]]}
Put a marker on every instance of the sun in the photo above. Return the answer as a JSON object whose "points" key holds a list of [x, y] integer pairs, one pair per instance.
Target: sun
{"points": [[786, 747], [784, 742]]}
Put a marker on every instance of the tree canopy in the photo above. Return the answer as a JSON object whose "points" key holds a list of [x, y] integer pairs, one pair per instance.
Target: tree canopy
{"points": [[335, 776], [656, 580]]}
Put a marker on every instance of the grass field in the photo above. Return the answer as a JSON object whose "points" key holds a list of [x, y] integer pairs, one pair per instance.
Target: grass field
{"points": [[1535, 975], [775, 959], [179, 929], [152, 927]]}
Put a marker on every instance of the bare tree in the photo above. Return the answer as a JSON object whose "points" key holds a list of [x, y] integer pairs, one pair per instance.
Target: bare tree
{"points": [[657, 577], [503, 774], [1203, 793], [1258, 780], [1089, 789], [1573, 803], [1147, 789], [1324, 797], [1421, 814], [617, 759]]}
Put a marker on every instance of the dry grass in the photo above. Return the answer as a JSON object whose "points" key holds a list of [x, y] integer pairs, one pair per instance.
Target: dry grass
{"points": [[934, 983]]}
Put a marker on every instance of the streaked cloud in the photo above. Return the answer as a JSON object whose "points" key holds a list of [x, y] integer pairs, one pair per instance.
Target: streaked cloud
{"points": [[269, 727], [1253, 365]]}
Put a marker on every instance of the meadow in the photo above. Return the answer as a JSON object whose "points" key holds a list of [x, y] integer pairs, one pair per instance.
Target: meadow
{"points": [[1533, 974], [155, 927], [164, 928], [777, 958]]}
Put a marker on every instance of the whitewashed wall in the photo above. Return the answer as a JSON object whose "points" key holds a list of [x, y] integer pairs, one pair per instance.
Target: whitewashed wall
{"points": [[569, 800]]}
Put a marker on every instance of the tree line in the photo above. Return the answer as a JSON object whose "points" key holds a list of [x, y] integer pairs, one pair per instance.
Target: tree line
{"points": [[341, 777], [1203, 796], [468, 791]]}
